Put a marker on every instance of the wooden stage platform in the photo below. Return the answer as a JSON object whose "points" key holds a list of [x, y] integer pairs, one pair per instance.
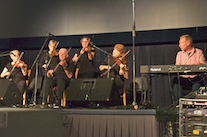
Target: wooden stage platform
{"points": [[33, 122]]}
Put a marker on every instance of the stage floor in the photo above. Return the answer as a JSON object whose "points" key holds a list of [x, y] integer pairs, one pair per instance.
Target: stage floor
{"points": [[78, 122]]}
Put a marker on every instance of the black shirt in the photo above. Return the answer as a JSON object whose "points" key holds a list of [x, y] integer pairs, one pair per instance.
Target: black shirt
{"points": [[84, 64], [114, 72], [60, 72], [17, 72], [45, 59]]}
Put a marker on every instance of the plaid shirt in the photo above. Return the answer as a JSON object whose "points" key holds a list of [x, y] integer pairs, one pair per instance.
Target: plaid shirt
{"points": [[196, 57]]}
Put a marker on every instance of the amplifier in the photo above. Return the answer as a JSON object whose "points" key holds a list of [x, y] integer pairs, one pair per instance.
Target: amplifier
{"points": [[192, 117], [195, 115], [192, 103], [195, 130]]}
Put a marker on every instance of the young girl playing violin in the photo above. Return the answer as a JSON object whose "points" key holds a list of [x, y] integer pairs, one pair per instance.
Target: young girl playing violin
{"points": [[118, 72], [51, 54], [19, 73], [83, 60], [48, 61]]}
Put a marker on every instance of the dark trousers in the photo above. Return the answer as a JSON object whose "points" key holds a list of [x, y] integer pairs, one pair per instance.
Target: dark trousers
{"points": [[21, 83], [86, 75], [185, 86], [61, 84]]}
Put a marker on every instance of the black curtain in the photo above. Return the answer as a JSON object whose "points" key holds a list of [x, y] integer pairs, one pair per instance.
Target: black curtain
{"points": [[163, 54]]}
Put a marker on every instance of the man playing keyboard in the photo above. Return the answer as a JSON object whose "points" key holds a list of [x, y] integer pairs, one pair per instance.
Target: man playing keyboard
{"points": [[184, 84]]}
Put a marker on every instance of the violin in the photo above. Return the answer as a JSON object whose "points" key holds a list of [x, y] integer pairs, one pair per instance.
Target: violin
{"points": [[121, 61], [65, 60], [87, 49], [19, 63], [54, 53]]}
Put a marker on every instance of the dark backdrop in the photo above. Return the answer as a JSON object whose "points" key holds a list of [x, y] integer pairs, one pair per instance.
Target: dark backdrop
{"points": [[159, 49]]}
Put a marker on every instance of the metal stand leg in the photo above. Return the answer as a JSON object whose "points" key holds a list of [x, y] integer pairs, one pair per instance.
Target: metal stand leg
{"points": [[146, 95]]}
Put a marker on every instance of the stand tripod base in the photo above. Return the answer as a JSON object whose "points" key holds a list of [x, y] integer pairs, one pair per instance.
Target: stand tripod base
{"points": [[146, 105]]}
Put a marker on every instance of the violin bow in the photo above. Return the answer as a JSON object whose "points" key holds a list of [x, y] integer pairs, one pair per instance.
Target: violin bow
{"points": [[61, 60], [116, 62], [15, 64], [52, 56], [80, 56]]}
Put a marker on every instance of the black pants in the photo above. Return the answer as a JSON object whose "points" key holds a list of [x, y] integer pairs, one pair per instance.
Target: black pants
{"points": [[60, 82], [185, 86], [21, 83], [86, 75]]}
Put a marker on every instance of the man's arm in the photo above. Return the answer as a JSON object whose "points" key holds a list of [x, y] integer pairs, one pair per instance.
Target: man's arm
{"points": [[178, 59], [202, 59]]}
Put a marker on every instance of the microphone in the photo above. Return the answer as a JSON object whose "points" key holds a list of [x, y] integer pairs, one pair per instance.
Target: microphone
{"points": [[51, 34], [91, 44]]}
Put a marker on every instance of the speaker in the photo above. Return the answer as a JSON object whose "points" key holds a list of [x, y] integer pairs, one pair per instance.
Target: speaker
{"points": [[9, 93], [98, 89]]}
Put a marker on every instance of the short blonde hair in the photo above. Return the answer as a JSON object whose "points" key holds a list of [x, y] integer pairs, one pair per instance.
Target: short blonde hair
{"points": [[188, 38], [53, 41], [120, 48], [63, 49], [14, 52]]}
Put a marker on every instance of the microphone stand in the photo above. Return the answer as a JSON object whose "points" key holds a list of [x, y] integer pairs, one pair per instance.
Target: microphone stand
{"points": [[143, 103], [5, 55], [108, 56], [37, 57], [45, 78], [133, 40], [36, 74]]}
